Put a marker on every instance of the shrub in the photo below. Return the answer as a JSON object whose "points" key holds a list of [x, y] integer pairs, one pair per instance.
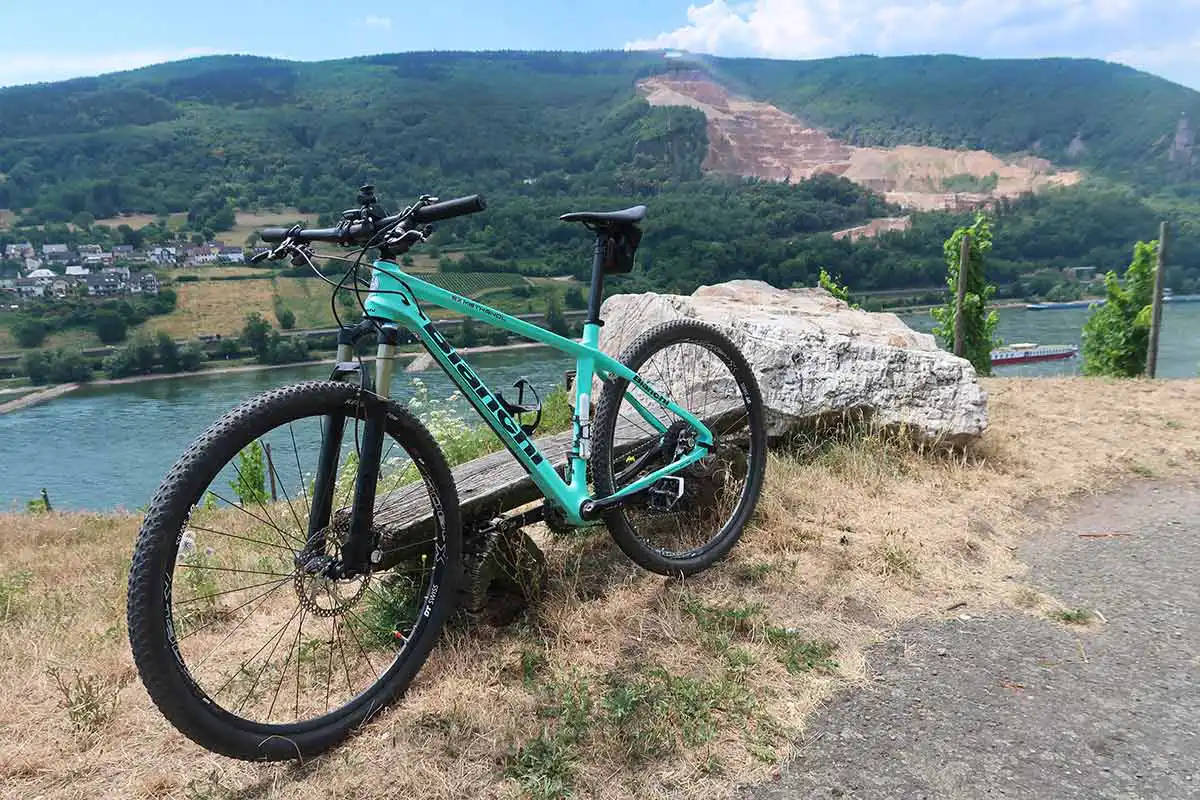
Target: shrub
{"points": [[979, 324], [1116, 338], [29, 332]]}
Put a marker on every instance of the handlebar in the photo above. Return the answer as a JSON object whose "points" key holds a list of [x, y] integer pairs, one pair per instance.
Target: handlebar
{"points": [[353, 233]]}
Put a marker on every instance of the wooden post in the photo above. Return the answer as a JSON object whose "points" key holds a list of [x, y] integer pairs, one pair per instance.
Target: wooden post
{"points": [[964, 264], [270, 471], [1156, 306]]}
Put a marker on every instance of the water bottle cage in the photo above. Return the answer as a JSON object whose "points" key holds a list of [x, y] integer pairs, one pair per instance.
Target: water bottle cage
{"points": [[520, 407]]}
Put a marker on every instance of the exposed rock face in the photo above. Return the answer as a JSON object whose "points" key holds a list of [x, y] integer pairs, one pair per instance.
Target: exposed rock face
{"points": [[813, 356], [751, 138], [1185, 141]]}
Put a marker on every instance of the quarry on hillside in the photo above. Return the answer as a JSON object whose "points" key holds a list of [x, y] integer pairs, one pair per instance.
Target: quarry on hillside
{"points": [[755, 139]]}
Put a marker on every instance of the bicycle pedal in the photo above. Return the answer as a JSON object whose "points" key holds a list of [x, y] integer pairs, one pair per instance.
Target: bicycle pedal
{"points": [[665, 493]]}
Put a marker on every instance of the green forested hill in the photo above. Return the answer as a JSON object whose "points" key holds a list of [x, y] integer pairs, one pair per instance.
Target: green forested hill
{"points": [[543, 133]]}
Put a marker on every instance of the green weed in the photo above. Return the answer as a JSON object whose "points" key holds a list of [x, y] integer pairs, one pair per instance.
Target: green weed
{"points": [[13, 587], [1073, 616], [799, 654]]}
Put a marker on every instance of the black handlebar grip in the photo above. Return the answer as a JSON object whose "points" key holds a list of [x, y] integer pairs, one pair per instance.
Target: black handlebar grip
{"points": [[448, 209], [273, 235]]}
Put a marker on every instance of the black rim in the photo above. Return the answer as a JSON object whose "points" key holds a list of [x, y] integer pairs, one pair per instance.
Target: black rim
{"points": [[684, 521], [258, 630]]}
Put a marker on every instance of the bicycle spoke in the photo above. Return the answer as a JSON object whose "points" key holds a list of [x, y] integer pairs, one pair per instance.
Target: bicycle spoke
{"points": [[242, 538], [283, 537], [263, 597], [231, 591], [283, 488], [300, 475], [258, 500], [232, 569]]}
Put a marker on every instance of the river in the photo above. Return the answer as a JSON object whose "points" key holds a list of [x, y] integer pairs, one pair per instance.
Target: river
{"points": [[107, 447]]}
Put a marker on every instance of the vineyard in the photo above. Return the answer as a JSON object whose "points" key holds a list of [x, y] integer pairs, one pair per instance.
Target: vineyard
{"points": [[471, 283]]}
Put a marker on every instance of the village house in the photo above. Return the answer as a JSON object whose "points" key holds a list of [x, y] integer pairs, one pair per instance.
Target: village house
{"points": [[201, 254], [233, 255], [123, 252], [123, 272], [56, 253], [19, 251], [143, 283], [61, 287], [163, 255], [32, 263], [42, 276], [104, 285], [29, 287], [77, 271]]}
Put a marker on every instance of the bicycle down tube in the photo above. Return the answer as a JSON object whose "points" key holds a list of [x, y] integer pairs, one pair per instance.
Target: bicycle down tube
{"points": [[396, 296]]}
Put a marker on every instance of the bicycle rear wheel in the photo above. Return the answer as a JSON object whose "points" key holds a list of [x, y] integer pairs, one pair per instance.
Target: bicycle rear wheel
{"points": [[240, 636], [687, 522]]}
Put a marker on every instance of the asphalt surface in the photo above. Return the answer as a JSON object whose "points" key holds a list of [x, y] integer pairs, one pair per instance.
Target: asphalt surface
{"points": [[1011, 705]]}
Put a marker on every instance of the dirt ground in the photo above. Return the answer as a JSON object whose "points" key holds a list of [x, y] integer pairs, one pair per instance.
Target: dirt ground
{"points": [[617, 683]]}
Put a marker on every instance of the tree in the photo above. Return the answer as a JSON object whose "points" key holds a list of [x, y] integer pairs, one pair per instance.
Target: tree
{"points": [[468, 335], [84, 219], [1116, 338], [168, 352], [574, 298], [29, 332], [58, 366], [256, 334], [979, 324], [556, 322], [110, 326], [250, 483], [287, 320], [191, 356]]}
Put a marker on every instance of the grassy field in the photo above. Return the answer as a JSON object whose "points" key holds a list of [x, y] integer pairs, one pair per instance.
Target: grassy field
{"points": [[618, 683], [210, 307]]}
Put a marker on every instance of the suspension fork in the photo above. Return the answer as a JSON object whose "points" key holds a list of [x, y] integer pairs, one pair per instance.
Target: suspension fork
{"points": [[359, 551]]}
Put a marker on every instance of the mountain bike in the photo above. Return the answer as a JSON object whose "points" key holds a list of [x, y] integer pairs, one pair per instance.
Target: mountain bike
{"points": [[269, 624]]}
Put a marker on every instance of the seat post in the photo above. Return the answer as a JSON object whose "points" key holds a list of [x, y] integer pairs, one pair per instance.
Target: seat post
{"points": [[597, 293]]}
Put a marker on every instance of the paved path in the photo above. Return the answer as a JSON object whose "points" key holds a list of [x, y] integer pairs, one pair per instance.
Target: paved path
{"points": [[1012, 706]]}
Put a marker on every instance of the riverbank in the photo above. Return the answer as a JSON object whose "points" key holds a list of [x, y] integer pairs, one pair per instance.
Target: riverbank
{"points": [[54, 392], [37, 396], [417, 361], [618, 683], [424, 362]]}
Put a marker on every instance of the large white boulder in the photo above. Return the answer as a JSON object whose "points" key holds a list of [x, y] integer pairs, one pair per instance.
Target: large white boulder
{"points": [[814, 356]]}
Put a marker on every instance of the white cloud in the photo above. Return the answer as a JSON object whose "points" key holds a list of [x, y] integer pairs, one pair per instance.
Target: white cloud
{"points": [[373, 21], [1142, 33], [18, 68], [1177, 60]]}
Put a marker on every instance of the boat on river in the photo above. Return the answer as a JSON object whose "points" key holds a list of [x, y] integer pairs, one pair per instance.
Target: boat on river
{"points": [[1168, 297], [1030, 352]]}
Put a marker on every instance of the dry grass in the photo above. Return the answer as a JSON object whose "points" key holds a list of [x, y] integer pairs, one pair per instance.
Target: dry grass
{"points": [[7, 218], [620, 683], [207, 307]]}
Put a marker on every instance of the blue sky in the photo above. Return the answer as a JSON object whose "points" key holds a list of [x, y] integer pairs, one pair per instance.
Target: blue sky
{"points": [[84, 37]]}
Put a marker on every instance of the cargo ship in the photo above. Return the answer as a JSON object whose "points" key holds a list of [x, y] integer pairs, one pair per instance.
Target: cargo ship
{"points": [[1029, 352]]}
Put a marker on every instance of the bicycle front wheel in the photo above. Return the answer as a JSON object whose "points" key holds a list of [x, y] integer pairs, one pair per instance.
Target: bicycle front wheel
{"points": [[242, 638], [687, 522]]}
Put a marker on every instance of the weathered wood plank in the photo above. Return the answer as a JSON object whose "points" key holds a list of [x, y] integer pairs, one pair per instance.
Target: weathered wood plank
{"points": [[496, 483]]}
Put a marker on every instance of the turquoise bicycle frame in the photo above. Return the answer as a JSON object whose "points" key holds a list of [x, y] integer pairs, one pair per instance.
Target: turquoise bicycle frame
{"points": [[395, 296]]}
